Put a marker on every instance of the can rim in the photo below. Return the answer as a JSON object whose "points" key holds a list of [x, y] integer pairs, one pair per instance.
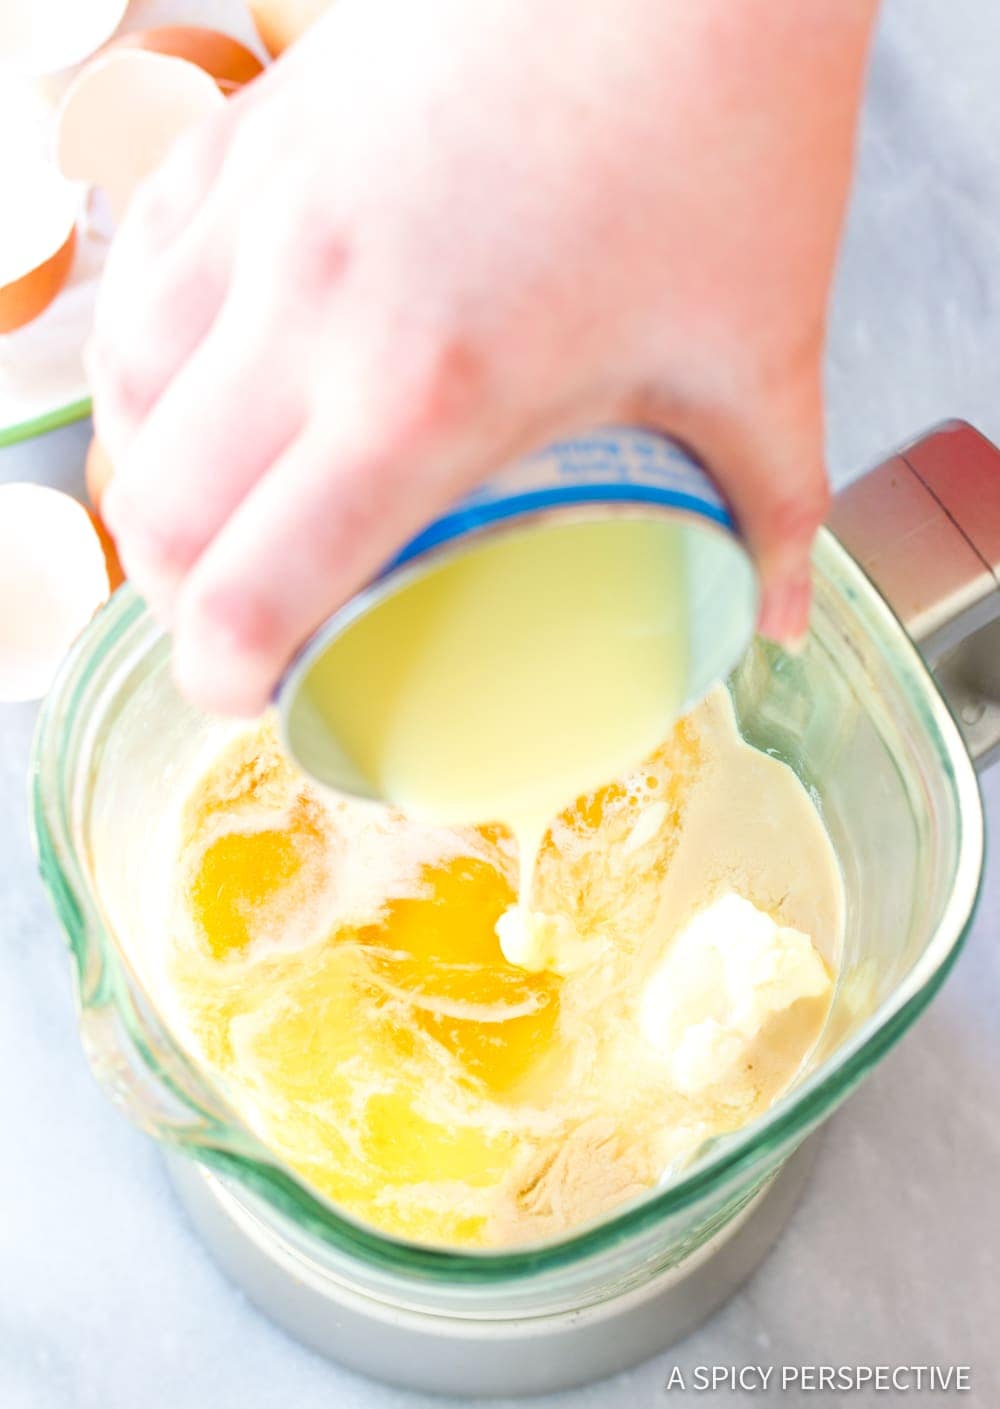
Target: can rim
{"points": [[413, 563]]}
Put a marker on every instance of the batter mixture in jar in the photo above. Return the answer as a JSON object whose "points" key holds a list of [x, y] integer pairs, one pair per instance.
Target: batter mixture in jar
{"points": [[338, 967]]}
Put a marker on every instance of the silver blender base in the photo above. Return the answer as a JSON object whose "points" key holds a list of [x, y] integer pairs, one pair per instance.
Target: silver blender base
{"points": [[471, 1357]]}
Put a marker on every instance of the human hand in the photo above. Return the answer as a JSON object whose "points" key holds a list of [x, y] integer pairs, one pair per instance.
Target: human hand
{"points": [[433, 237]]}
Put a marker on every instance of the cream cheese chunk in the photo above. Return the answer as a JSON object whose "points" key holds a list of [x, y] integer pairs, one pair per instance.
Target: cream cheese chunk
{"points": [[726, 974]]}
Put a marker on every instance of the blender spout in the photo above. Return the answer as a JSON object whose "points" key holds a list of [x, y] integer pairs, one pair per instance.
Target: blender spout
{"points": [[925, 527]]}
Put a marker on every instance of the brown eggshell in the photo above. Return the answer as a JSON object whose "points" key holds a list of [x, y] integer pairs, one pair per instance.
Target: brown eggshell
{"points": [[116, 573], [97, 472], [225, 59], [27, 297]]}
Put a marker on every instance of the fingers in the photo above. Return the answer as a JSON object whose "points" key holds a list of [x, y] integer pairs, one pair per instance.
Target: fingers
{"points": [[171, 314], [172, 264], [228, 414], [771, 465], [169, 198], [168, 271], [165, 279], [314, 529], [768, 458], [384, 455], [238, 397]]}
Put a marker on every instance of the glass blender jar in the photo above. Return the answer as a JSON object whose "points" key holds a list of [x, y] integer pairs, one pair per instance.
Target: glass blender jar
{"points": [[860, 719]]}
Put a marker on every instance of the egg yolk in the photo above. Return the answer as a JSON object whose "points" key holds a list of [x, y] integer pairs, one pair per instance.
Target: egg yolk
{"points": [[385, 1057], [344, 1031]]}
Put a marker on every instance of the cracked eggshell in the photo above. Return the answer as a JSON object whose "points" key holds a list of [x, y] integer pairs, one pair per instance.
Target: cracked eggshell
{"points": [[37, 242], [40, 208], [53, 578], [123, 112], [43, 36]]}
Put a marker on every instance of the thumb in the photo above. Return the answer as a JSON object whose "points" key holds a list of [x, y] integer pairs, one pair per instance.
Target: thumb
{"points": [[768, 460]]}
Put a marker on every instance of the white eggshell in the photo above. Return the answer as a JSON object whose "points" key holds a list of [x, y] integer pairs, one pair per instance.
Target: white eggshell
{"points": [[53, 578], [42, 211], [44, 36], [40, 205], [123, 112]]}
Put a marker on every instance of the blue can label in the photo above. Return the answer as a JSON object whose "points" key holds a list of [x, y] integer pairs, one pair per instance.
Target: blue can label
{"points": [[614, 466]]}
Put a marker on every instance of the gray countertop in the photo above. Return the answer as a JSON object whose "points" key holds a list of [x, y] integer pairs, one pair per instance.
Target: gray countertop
{"points": [[893, 1257]]}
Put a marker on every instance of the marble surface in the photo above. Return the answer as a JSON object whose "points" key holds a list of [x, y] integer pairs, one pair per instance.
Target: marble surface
{"points": [[107, 1300]]}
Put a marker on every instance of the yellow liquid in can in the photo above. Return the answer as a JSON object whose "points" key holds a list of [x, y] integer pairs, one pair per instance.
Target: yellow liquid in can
{"points": [[518, 674]]}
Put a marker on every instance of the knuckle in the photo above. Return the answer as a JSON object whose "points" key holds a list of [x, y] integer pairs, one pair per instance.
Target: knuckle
{"points": [[242, 620], [796, 514], [359, 510], [151, 211], [119, 387], [153, 542], [435, 396], [447, 391], [322, 256], [182, 303]]}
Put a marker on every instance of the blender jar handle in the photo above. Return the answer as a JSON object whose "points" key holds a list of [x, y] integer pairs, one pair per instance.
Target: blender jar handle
{"points": [[925, 526]]}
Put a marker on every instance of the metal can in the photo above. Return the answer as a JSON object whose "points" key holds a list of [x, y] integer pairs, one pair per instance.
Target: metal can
{"points": [[613, 472]]}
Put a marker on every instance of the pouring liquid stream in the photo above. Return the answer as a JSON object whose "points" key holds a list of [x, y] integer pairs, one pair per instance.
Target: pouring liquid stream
{"points": [[512, 679]]}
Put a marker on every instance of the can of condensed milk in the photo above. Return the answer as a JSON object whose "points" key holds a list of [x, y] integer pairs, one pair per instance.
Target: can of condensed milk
{"points": [[615, 473]]}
